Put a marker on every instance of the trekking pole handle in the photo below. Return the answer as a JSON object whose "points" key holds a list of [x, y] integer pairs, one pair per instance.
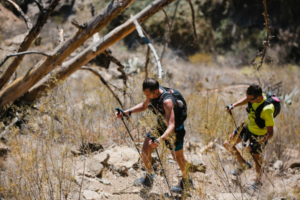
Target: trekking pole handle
{"points": [[154, 139], [229, 110], [120, 110]]}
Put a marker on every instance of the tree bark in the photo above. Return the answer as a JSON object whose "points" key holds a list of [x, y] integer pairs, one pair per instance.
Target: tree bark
{"points": [[85, 56], [33, 33], [21, 85]]}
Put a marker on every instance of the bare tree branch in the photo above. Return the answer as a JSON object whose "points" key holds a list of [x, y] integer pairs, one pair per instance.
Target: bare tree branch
{"points": [[120, 69], [21, 85], [266, 43], [170, 28], [195, 33], [25, 17], [111, 57], [147, 62], [104, 82], [23, 53], [77, 25], [33, 33], [141, 34], [39, 4], [85, 56]]}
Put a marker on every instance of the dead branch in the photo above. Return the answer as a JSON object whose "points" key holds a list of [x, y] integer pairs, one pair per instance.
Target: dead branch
{"points": [[193, 22], [25, 17], [23, 53], [39, 4], [120, 69], [111, 57], [85, 56], [147, 62], [77, 25], [170, 28], [104, 82], [266, 43], [33, 33], [141, 34], [21, 85]]}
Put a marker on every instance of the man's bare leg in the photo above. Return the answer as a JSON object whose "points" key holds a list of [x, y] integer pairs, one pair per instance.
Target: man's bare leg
{"points": [[257, 167], [146, 155], [181, 160], [234, 150]]}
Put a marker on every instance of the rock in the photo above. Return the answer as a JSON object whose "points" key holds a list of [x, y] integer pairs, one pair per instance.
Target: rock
{"points": [[232, 196], [292, 163], [89, 183], [91, 195], [104, 181], [95, 167], [123, 157], [196, 164], [105, 195], [102, 157], [278, 164], [131, 172]]}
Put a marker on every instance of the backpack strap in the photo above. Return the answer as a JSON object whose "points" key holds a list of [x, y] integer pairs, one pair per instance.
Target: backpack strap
{"points": [[258, 120]]}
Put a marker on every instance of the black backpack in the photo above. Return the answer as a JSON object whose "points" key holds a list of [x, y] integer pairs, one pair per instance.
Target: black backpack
{"points": [[270, 99], [181, 107]]}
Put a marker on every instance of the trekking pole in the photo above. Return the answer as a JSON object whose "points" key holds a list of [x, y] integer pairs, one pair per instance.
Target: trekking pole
{"points": [[120, 110], [153, 138], [244, 144]]}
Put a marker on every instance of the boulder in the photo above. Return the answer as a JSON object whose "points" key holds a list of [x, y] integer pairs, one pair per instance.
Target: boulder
{"points": [[89, 183], [91, 195], [102, 157], [123, 156], [95, 167]]}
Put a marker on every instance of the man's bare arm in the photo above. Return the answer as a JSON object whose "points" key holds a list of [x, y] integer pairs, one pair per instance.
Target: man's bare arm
{"points": [[170, 118]]}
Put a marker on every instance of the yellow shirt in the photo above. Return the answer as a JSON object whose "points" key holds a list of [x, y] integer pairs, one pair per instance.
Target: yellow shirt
{"points": [[266, 114]]}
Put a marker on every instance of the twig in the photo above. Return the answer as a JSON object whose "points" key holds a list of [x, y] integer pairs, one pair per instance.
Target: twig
{"points": [[120, 69], [168, 34], [25, 17], [93, 9], [141, 34], [23, 53], [147, 62], [39, 4], [104, 82], [166, 41], [195, 33], [266, 43], [77, 25]]}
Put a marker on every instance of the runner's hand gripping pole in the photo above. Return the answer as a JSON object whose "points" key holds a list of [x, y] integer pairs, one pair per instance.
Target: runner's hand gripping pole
{"points": [[120, 110]]}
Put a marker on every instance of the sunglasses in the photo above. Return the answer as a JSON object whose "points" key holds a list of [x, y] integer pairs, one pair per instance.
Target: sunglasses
{"points": [[251, 99]]}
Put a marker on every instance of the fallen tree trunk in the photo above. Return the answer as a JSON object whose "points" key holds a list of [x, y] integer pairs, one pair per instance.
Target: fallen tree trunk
{"points": [[32, 34], [21, 85], [85, 56]]}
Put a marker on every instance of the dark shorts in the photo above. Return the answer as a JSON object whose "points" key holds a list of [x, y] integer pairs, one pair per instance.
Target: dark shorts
{"points": [[246, 135], [175, 140]]}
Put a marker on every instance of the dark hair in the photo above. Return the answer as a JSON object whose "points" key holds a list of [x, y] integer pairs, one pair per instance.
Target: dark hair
{"points": [[254, 90], [151, 84]]}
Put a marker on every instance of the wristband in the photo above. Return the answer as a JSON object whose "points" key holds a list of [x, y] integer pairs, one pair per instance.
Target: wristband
{"points": [[231, 106], [129, 112]]}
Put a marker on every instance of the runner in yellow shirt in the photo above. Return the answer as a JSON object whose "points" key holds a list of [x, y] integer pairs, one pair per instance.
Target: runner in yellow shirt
{"points": [[258, 131]]}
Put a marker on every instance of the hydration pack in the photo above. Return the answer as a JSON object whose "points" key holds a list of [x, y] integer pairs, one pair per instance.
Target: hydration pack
{"points": [[270, 99], [180, 108]]}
